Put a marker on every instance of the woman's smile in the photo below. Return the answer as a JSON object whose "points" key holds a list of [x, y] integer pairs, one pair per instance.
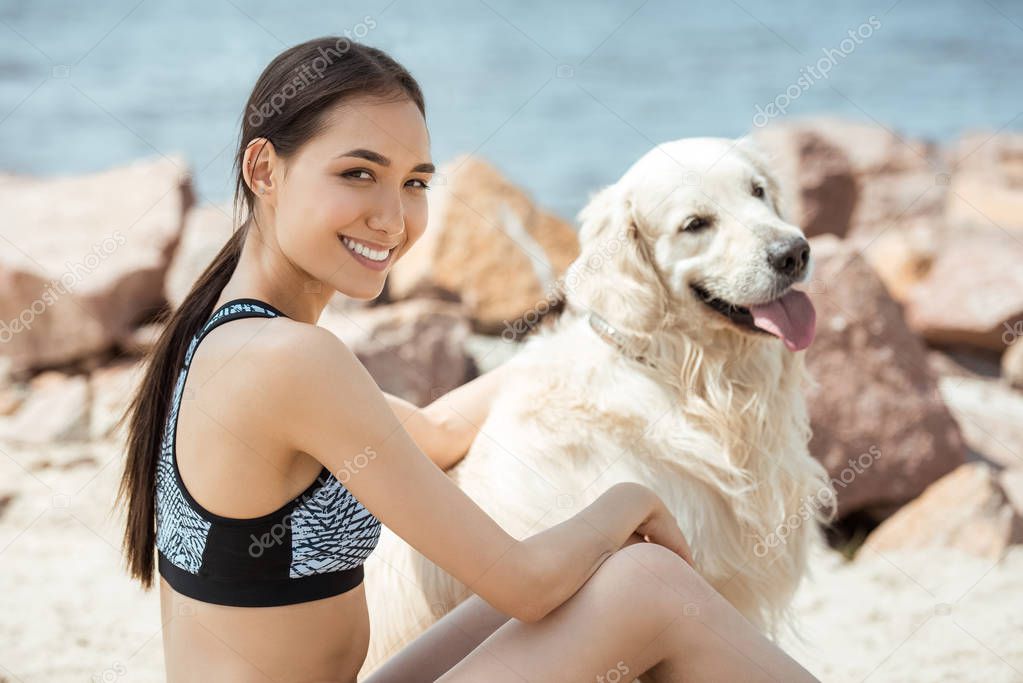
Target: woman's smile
{"points": [[369, 254]]}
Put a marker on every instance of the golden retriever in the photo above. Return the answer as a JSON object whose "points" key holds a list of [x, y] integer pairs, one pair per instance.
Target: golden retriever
{"points": [[676, 364]]}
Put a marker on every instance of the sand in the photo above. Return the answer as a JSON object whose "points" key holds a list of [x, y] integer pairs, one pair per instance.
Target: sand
{"points": [[921, 615], [69, 613]]}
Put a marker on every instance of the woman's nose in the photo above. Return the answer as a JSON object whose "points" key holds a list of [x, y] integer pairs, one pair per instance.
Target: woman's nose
{"points": [[392, 225]]}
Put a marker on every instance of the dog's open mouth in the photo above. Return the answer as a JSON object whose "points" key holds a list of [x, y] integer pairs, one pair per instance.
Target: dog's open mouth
{"points": [[791, 317], [740, 315]]}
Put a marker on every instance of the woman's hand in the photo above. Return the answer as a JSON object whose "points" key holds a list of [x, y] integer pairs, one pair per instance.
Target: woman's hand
{"points": [[634, 538], [660, 527]]}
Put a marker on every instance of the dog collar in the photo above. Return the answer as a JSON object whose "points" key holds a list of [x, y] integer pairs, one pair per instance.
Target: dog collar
{"points": [[616, 338]]}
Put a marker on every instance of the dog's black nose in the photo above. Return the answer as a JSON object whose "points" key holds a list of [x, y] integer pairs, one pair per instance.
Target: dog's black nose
{"points": [[789, 257]]}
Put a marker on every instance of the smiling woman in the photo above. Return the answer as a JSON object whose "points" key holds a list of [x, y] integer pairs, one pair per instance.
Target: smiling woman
{"points": [[260, 498]]}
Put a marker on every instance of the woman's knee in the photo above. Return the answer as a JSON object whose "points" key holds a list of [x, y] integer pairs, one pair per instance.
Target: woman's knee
{"points": [[657, 577]]}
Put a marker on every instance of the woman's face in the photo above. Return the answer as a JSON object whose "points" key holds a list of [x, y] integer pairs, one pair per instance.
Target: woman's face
{"points": [[359, 186]]}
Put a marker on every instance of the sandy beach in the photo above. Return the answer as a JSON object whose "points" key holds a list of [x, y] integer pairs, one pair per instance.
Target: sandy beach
{"points": [[69, 613]]}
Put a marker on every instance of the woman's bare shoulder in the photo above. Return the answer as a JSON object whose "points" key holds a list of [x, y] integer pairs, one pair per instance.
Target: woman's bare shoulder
{"points": [[276, 360], [282, 340], [294, 356]]}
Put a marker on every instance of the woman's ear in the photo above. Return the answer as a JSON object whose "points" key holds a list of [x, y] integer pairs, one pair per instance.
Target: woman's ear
{"points": [[259, 159]]}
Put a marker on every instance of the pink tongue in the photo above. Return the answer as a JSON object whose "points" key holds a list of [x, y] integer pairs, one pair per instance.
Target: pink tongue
{"points": [[791, 318]]}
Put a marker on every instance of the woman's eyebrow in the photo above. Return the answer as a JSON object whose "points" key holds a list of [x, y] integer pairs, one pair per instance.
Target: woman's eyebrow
{"points": [[377, 158]]}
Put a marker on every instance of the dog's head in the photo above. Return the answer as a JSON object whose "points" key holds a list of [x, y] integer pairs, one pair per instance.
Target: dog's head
{"points": [[701, 218]]}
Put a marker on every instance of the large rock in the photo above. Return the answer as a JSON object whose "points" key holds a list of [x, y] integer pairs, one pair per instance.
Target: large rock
{"points": [[817, 180], [12, 392], [984, 199], [879, 425], [111, 389], [987, 181], [487, 245], [206, 230], [990, 417], [413, 349], [874, 179], [973, 292], [56, 410], [967, 509], [84, 258], [1012, 363], [958, 268], [142, 339], [903, 258], [873, 149], [12, 397], [893, 201], [963, 363], [1011, 481]]}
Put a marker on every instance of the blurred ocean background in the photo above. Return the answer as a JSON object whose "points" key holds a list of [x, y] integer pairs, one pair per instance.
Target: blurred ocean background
{"points": [[561, 96]]}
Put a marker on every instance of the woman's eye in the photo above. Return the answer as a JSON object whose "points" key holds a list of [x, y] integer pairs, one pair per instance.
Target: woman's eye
{"points": [[419, 184], [695, 223], [758, 191], [359, 174]]}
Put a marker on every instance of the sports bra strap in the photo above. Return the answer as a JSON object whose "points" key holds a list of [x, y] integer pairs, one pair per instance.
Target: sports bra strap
{"points": [[239, 308], [232, 310]]}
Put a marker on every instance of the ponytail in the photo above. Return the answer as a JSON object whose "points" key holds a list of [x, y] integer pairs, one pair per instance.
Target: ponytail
{"points": [[149, 408]]}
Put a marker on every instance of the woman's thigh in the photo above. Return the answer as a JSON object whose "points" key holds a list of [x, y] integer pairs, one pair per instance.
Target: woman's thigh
{"points": [[443, 644], [613, 628]]}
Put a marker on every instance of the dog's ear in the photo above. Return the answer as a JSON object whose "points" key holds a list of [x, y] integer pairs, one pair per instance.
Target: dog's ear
{"points": [[610, 227], [762, 163], [604, 216]]}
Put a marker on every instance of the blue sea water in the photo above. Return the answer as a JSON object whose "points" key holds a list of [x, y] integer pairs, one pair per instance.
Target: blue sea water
{"points": [[561, 96]]}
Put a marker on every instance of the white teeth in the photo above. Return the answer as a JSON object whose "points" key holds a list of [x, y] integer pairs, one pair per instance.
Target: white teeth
{"points": [[371, 254]]}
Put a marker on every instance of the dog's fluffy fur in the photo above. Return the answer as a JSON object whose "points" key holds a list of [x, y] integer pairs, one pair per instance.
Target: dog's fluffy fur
{"points": [[719, 429]]}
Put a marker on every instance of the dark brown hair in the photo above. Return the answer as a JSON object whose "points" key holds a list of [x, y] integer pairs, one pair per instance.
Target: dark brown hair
{"points": [[288, 106]]}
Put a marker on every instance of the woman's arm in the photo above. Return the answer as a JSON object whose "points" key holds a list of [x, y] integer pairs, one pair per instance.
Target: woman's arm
{"points": [[331, 408], [445, 429], [424, 428], [458, 415]]}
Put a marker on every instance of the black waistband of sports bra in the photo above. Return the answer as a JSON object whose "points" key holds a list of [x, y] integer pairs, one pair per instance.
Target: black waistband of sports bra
{"points": [[262, 593]]}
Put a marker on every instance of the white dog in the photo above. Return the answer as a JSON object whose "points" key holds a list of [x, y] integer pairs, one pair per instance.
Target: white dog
{"points": [[674, 365]]}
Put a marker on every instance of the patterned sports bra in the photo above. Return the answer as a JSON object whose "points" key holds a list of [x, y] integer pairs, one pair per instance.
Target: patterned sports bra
{"points": [[312, 547]]}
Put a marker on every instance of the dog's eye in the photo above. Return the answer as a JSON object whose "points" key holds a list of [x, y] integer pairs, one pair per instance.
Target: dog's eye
{"points": [[758, 191], [695, 223]]}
